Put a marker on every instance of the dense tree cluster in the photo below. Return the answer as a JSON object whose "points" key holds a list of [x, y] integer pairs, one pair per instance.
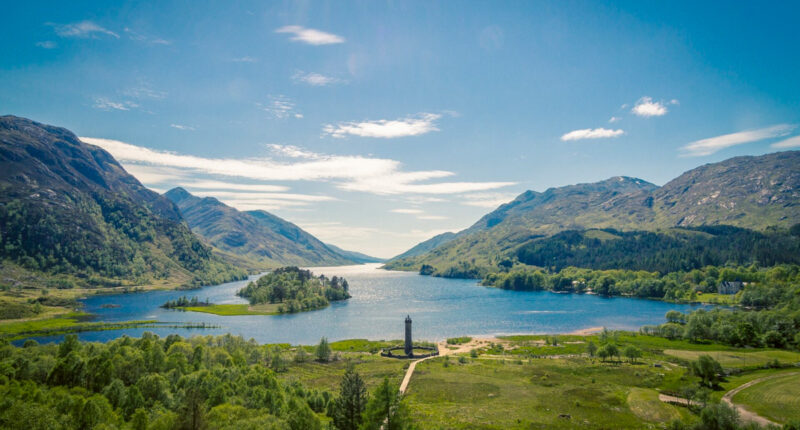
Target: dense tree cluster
{"points": [[764, 285], [770, 317], [183, 302], [677, 249], [154, 383], [296, 289], [113, 239]]}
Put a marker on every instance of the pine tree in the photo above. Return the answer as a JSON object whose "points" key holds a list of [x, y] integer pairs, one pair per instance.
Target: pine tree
{"points": [[385, 409], [352, 400]]}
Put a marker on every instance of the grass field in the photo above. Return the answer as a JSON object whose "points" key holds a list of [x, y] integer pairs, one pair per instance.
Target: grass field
{"points": [[740, 358], [327, 376], [237, 309], [67, 323], [551, 393], [777, 399]]}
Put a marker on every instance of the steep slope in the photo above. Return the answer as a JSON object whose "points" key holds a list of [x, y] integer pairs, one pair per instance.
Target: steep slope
{"points": [[67, 207], [749, 192], [423, 247], [358, 257], [262, 239]]}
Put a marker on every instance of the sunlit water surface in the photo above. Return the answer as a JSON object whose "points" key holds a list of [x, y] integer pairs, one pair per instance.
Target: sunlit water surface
{"points": [[439, 307]]}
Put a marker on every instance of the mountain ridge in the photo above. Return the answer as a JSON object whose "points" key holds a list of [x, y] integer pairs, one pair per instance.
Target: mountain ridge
{"points": [[749, 192], [262, 239]]}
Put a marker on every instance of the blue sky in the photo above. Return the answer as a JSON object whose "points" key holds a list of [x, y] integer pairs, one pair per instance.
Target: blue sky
{"points": [[375, 125]]}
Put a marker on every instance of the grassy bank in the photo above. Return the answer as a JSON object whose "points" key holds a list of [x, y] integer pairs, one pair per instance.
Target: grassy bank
{"points": [[235, 309]]}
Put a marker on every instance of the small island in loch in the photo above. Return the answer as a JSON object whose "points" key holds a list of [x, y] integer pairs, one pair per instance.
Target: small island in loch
{"points": [[291, 289]]}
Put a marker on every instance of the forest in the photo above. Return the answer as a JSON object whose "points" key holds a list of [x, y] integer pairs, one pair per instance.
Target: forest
{"points": [[157, 383], [672, 250], [296, 290]]}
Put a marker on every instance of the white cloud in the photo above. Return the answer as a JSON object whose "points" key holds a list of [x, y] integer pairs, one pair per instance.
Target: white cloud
{"points": [[310, 35], [385, 129], [711, 145], [83, 29], [792, 142], [182, 127], [646, 107], [591, 133], [292, 151], [280, 107], [314, 79], [432, 217], [46, 44], [106, 104], [614, 119], [219, 185], [348, 172], [408, 211]]}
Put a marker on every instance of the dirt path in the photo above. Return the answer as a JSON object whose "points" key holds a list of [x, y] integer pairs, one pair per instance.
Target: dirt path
{"points": [[672, 399], [443, 351], [745, 414]]}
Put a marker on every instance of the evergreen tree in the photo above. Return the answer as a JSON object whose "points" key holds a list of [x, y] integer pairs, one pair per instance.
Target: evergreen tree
{"points": [[385, 409], [323, 351], [352, 401]]}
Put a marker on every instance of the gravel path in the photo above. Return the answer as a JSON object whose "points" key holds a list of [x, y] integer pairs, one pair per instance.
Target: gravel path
{"points": [[748, 415]]}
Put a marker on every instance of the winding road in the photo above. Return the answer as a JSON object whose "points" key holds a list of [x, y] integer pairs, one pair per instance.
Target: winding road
{"points": [[746, 414]]}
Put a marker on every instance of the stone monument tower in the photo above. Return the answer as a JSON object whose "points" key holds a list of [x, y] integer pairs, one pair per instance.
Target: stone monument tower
{"points": [[409, 346]]}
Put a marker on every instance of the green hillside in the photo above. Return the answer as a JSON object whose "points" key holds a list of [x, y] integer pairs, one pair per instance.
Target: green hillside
{"points": [[257, 239], [747, 192], [70, 213]]}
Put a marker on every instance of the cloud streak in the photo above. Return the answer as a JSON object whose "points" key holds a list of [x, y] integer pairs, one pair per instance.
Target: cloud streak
{"points": [[711, 145], [310, 36], [104, 103], [83, 29], [792, 142], [314, 79], [591, 133], [348, 172], [385, 129]]}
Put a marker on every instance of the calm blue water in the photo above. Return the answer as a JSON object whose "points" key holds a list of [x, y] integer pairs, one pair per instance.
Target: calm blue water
{"points": [[440, 308]]}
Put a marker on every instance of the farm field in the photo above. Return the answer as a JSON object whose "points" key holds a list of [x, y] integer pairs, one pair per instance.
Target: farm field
{"points": [[777, 399], [740, 358]]}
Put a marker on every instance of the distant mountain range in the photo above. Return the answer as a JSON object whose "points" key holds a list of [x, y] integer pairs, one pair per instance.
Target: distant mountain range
{"points": [[749, 192], [257, 239], [67, 207]]}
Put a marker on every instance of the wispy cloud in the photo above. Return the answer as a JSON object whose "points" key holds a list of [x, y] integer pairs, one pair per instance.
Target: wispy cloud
{"points": [[182, 127], [348, 172], [591, 133], [646, 107], [144, 90], [104, 103], [792, 142], [83, 29], [140, 37], [292, 151], [432, 217], [614, 119], [245, 59], [486, 200], [385, 129], [408, 211], [310, 35], [314, 79], [711, 145], [46, 44], [280, 107]]}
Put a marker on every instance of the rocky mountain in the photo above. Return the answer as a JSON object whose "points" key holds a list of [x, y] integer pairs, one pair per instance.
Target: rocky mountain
{"points": [[750, 192], [67, 207], [257, 238]]}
